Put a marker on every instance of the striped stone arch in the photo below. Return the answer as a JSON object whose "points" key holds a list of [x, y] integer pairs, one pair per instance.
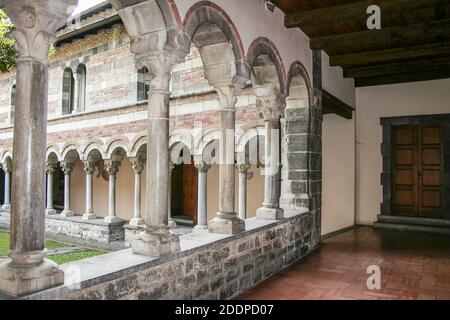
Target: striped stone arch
{"points": [[137, 144], [70, 152], [209, 18], [152, 25], [273, 71], [114, 144], [91, 147]]}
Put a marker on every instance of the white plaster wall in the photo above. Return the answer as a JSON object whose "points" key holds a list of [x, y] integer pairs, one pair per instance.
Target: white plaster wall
{"points": [[334, 82], [430, 97], [248, 16], [338, 193]]}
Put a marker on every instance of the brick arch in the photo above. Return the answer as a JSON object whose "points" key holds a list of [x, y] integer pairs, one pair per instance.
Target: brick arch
{"points": [[205, 11], [264, 46]]}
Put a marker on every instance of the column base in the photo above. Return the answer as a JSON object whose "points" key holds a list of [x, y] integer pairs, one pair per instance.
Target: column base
{"points": [[16, 282], [199, 228], [67, 213], [6, 207], [136, 222], [155, 245], [50, 212], [89, 216], [226, 225], [269, 213], [171, 223], [112, 219]]}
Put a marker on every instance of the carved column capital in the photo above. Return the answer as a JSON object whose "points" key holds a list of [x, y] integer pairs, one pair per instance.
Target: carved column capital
{"points": [[242, 167], [202, 166], [112, 167], [36, 24], [171, 167], [159, 65], [137, 164], [89, 167], [67, 167], [51, 167], [271, 107], [227, 95], [7, 166]]}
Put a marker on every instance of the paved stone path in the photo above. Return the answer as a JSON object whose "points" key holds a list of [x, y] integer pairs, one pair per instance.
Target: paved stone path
{"points": [[413, 266]]}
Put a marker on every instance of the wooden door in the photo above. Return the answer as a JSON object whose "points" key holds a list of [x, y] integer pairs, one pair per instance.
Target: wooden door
{"points": [[190, 191], [418, 171]]}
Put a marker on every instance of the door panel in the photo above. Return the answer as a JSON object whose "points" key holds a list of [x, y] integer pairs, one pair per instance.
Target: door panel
{"points": [[418, 171], [190, 191]]}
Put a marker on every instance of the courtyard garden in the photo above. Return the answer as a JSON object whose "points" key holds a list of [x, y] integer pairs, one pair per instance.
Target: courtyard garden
{"points": [[58, 252]]}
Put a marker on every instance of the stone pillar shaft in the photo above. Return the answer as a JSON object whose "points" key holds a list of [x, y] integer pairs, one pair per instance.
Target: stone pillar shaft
{"points": [[7, 192], [157, 239], [36, 23], [89, 168], [202, 204], [243, 170], [112, 167], [67, 168], [50, 172], [138, 165], [270, 209], [76, 92], [171, 222], [226, 221]]}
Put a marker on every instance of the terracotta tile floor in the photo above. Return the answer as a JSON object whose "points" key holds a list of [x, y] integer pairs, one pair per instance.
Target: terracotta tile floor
{"points": [[413, 266]]}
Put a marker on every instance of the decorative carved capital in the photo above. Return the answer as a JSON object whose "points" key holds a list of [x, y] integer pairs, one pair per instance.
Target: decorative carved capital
{"points": [[202, 166], [137, 164], [171, 167], [227, 95], [7, 166], [112, 167], [242, 167], [89, 167], [36, 24], [67, 167], [159, 65], [271, 107], [51, 167]]}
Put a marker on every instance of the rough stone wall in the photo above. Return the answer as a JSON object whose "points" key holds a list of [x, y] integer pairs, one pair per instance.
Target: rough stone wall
{"points": [[220, 270]]}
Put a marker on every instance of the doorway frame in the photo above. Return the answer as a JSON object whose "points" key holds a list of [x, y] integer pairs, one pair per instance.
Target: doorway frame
{"points": [[387, 124]]}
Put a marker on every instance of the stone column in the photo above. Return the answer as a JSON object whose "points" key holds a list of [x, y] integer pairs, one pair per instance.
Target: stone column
{"points": [[271, 113], [36, 23], [202, 168], [112, 167], [51, 169], [171, 222], [89, 168], [138, 166], [67, 168], [226, 221], [7, 168], [76, 92], [157, 240], [243, 170]]}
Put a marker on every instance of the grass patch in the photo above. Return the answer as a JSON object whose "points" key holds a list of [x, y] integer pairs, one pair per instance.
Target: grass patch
{"points": [[51, 245], [75, 256]]}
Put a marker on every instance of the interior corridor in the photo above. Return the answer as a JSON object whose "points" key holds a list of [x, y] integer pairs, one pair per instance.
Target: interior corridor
{"points": [[413, 266]]}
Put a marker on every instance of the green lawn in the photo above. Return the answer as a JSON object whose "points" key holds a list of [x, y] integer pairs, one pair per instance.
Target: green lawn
{"points": [[60, 259]]}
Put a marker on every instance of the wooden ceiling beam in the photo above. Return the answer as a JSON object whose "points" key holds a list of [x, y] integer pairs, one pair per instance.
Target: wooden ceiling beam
{"points": [[403, 78], [387, 38], [398, 68], [351, 11], [390, 55]]}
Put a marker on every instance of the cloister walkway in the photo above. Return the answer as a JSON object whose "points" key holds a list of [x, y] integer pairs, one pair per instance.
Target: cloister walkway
{"points": [[413, 266]]}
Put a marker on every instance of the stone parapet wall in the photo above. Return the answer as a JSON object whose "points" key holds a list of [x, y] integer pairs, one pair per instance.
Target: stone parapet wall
{"points": [[94, 233], [218, 270]]}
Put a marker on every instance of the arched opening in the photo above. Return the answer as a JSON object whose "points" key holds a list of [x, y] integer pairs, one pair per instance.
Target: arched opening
{"points": [[68, 92], [13, 104], [80, 94], [142, 87], [183, 184], [57, 183], [299, 164]]}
